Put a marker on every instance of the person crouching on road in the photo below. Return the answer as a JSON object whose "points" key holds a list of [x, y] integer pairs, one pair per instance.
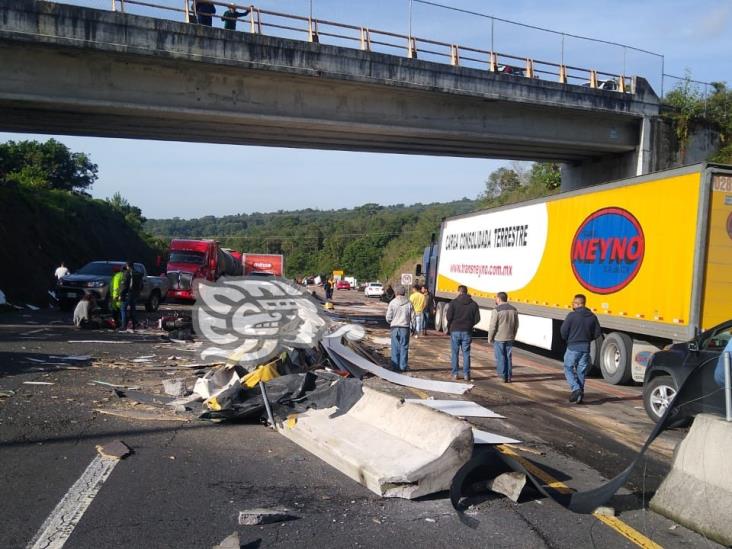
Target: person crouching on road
{"points": [[579, 329], [462, 315], [418, 302], [399, 316], [84, 313], [502, 333]]}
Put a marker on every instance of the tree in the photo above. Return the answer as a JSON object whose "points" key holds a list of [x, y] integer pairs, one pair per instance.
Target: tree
{"points": [[132, 214], [545, 174], [502, 180], [48, 165]]}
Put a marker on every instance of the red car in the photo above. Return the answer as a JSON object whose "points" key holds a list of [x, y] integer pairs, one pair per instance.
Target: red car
{"points": [[343, 285]]}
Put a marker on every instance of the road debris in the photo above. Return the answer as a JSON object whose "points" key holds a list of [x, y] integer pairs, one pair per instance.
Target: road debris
{"points": [[605, 511], [6, 393], [229, 542], [457, 408], [114, 450], [253, 517], [508, 484], [113, 385], [175, 387], [38, 383]]}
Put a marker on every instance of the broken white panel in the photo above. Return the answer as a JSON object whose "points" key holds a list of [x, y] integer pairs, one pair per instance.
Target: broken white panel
{"points": [[32, 307], [484, 437], [458, 408], [400, 379]]}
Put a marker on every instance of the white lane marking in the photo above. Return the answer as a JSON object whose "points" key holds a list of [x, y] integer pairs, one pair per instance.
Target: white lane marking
{"points": [[59, 525]]}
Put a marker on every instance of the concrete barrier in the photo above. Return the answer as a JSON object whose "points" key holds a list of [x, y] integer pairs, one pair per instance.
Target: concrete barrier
{"points": [[394, 448], [697, 493]]}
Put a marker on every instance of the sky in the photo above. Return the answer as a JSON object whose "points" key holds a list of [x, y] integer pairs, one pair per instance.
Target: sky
{"points": [[161, 177]]}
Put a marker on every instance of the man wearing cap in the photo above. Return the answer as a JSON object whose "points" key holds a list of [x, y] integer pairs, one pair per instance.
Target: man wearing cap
{"points": [[399, 316]]}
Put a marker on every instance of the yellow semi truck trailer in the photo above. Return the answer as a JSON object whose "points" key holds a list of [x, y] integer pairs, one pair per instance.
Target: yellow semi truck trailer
{"points": [[653, 255]]}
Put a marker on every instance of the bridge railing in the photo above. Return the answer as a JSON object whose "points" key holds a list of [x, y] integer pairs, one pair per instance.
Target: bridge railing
{"points": [[268, 22]]}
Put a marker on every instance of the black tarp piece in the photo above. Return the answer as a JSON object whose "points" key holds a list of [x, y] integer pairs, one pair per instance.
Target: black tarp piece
{"points": [[699, 393], [292, 394]]}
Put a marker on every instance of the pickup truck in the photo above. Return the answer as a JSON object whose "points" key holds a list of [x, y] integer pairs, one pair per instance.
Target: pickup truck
{"points": [[95, 277]]}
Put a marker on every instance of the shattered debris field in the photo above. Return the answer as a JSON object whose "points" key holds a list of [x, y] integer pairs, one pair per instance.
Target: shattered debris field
{"points": [[107, 441]]}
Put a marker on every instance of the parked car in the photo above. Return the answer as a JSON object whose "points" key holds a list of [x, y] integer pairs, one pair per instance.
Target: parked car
{"points": [[669, 368], [343, 285], [95, 277], [516, 71], [373, 289]]}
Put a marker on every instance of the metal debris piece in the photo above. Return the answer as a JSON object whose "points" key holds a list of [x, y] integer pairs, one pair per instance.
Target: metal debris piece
{"points": [[508, 484]]}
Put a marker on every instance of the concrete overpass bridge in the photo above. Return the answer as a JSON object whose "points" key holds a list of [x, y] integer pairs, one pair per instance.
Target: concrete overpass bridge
{"points": [[80, 71]]}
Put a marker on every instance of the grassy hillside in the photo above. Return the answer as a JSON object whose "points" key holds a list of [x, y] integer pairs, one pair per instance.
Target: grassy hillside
{"points": [[41, 227], [368, 242]]}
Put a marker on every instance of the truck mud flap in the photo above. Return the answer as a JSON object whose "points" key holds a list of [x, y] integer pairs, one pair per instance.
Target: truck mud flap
{"points": [[489, 462]]}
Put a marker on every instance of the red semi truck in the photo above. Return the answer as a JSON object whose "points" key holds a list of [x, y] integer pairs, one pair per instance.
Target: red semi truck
{"points": [[203, 259], [263, 264]]}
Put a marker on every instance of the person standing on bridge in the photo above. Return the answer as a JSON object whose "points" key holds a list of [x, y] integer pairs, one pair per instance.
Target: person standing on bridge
{"points": [[502, 333], [399, 316], [204, 10], [462, 316], [579, 329], [230, 16]]}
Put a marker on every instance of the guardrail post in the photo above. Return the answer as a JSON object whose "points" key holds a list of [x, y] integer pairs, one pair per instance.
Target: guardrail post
{"points": [[728, 384], [365, 39], [412, 48], [563, 74], [313, 31], [593, 79], [529, 68], [621, 83], [255, 23], [122, 6], [454, 55], [114, 5], [492, 62]]}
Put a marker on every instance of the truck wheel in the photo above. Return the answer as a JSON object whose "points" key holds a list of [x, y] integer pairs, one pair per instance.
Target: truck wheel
{"points": [[615, 356], [595, 355], [438, 315], [153, 302]]}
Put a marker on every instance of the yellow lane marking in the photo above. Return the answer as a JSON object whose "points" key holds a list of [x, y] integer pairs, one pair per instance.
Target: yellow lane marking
{"points": [[421, 394], [615, 523]]}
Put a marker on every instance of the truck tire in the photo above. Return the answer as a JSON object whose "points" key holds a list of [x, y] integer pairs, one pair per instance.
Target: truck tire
{"points": [[595, 347], [615, 357], [439, 312], [153, 302]]}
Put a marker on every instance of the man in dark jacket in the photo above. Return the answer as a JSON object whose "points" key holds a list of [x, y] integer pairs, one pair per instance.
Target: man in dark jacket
{"points": [[462, 315], [579, 329], [204, 11]]}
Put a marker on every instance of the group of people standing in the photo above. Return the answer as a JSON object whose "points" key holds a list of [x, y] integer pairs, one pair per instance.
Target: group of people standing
{"points": [[579, 329], [202, 12]]}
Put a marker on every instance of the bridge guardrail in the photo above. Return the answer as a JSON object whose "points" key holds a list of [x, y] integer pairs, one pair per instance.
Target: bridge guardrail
{"points": [[268, 22]]}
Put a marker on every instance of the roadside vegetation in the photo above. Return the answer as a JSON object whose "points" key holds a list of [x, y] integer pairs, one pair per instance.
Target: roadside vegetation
{"points": [[47, 216], [688, 106]]}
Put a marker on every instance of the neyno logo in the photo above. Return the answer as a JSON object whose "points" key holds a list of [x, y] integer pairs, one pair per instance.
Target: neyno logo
{"points": [[607, 250]]}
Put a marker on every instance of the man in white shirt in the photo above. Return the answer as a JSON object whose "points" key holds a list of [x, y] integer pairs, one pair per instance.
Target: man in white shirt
{"points": [[61, 271]]}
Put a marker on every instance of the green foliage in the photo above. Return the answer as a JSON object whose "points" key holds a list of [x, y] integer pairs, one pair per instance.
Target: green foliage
{"points": [[48, 165], [367, 242], [507, 186], [689, 106], [132, 214]]}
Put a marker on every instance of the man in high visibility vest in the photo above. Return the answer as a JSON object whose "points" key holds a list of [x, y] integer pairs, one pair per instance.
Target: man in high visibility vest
{"points": [[115, 297]]}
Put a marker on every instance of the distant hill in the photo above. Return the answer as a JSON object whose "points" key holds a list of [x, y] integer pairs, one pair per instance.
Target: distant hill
{"points": [[368, 242]]}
